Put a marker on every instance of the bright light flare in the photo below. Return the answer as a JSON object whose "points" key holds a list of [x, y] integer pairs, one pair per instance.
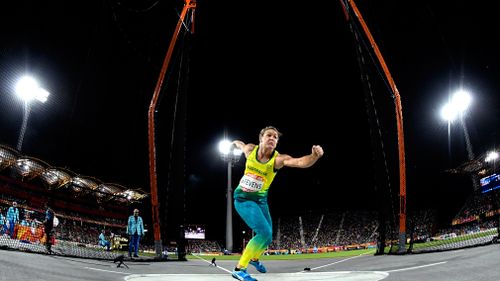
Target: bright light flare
{"points": [[449, 112], [229, 151], [28, 89], [42, 95], [225, 147], [461, 101], [492, 156], [458, 105]]}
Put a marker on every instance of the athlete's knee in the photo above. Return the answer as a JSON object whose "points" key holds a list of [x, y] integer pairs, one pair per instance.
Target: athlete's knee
{"points": [[269, 240], [267, 236]]}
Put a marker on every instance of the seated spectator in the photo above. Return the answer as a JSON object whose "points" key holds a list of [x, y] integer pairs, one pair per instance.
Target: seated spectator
{"points": [[103, 241]]}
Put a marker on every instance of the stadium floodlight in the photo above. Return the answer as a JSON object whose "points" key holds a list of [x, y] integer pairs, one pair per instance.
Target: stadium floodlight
{"points": [[457, 108], [230, 154], [492, 156], [27, 89]]}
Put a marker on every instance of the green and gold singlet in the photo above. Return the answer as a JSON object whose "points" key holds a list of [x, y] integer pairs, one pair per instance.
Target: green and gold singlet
{"points": [[257, 177]]}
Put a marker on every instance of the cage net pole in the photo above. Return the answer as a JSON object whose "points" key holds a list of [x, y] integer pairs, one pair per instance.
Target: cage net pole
{"points": [[348, 4], [189, 5]]}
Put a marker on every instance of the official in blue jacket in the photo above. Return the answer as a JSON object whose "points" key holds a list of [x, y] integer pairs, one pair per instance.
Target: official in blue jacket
{"points": [[12, 218], [135, 229]]}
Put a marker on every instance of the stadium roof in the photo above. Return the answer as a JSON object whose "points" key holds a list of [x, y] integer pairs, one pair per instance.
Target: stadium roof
{"points": [[29, 168], [477, 165]]}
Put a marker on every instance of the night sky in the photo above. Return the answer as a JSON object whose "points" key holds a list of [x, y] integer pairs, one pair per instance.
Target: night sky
{"points": [[252, 64]]}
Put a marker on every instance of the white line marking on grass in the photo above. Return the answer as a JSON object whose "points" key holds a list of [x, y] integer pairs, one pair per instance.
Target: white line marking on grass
{"points": [[416, 267], [314, 268], [98, 269], [226, 270], [201, 259]]}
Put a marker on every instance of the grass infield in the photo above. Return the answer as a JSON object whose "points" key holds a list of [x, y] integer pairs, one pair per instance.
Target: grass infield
{"points": [[289, 257]]}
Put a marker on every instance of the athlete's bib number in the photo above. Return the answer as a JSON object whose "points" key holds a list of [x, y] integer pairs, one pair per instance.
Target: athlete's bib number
{"points": [[251, 183]]}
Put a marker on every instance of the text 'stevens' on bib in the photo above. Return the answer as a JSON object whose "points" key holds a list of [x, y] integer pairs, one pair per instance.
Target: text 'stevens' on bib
{"points": [[251, 183]]}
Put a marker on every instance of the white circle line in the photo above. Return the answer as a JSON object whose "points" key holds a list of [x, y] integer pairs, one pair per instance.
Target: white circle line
{"points": [[416, 267], [343, 275], [98, 269]]}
